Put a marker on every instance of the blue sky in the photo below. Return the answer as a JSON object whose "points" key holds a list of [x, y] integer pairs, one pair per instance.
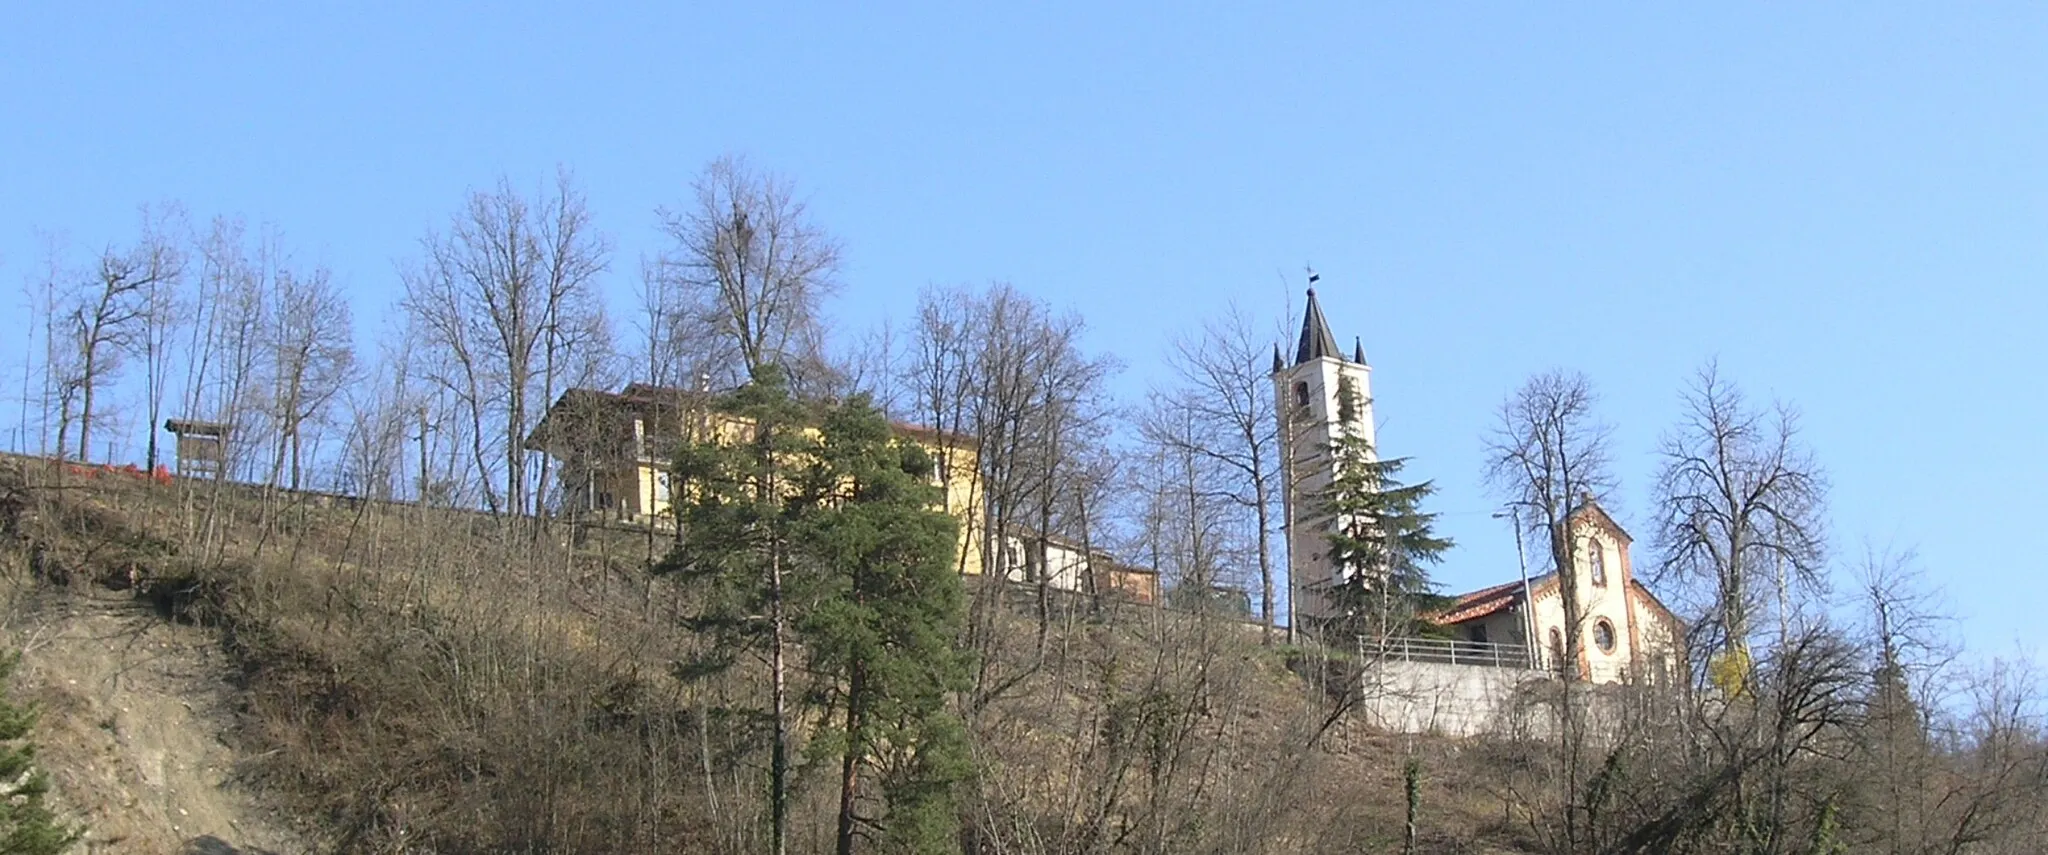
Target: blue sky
{"points": [[1844, 204]]}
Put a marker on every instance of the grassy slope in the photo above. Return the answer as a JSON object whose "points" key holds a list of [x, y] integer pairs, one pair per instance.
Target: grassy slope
{"points": [[421, 678]]}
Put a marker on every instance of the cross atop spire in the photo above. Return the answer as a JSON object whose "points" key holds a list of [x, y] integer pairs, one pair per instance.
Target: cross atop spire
{"points": [[1316, 340]]}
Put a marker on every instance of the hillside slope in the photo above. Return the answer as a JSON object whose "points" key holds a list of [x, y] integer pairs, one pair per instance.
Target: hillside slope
{"points": [[137, 730], [392, 678]]}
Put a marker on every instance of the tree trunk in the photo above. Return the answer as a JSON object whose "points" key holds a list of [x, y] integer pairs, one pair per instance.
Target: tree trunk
{"points": [[85, 408], [1568, 594], [779, 762], [849, 764], [1264, 517], [155, 410]]}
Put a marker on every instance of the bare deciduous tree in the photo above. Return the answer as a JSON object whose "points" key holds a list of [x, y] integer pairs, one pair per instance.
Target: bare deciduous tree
{"points": [[100, 323], [1189, 522], [1739, 507], [681, 346], [312, 357], [162, 309], [754, 268], [1548, 455], [506, 301], [1227, 405], [1009, 374], [381, 417], [224, 356], [1898, 759]]}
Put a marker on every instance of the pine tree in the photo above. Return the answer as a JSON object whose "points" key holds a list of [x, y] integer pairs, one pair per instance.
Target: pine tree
{"points": [[735, 549], [883, 630], [1380, 539], [822, 533], [27, 827]]}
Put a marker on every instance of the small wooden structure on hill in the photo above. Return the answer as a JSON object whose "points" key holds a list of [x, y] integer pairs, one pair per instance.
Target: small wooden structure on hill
{"points": [[202, 447]]}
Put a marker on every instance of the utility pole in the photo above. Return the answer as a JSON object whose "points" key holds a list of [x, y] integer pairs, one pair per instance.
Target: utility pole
{"points": [[421, 496], [1514, 515]]}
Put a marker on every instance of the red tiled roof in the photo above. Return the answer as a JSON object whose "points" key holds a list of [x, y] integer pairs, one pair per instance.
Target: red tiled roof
{"points": [[1485, 602]]}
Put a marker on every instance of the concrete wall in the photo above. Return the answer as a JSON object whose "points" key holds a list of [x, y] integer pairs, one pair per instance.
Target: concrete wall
{"points": [[1427, 697]]}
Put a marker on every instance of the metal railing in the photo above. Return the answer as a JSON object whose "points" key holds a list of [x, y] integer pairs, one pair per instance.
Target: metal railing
{"points": [[1448, 651]]}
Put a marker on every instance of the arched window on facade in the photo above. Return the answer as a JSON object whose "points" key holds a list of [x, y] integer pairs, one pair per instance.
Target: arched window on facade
{"points": [[1596, 560], [1301, 394], [1557, 649]]}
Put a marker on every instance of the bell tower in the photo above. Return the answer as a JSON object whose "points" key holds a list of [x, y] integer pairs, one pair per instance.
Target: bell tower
{"points": [[1318, 398]]}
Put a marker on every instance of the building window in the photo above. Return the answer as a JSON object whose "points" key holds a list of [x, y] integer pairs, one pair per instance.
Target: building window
{"points": [[1478, 632], [1603, 635], [1556, 649], [1597, 560], [1301, 394]]}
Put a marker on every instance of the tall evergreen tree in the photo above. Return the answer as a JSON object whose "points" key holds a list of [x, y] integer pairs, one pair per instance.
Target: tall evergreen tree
{"points": [[1380, 538], [823, 534], [735, 549], [27, 827], [882, 631]]}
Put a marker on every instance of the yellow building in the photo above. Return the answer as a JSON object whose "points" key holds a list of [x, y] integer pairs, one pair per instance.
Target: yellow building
{"points": [[612, 452]]}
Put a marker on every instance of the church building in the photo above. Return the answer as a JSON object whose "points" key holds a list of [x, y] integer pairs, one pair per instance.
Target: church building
{"points": [[1625, 632]]}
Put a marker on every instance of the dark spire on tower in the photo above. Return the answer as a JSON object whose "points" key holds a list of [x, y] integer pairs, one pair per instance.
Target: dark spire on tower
{"points": [[1277, 363], [1316, 340], [1358, 350]]}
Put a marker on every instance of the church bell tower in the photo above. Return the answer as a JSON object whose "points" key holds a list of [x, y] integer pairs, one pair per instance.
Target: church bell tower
{"points": [[1310, 398]]}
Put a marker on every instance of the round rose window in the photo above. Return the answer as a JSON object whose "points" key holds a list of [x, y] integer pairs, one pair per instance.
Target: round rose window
{"points": [[1603, 636]]}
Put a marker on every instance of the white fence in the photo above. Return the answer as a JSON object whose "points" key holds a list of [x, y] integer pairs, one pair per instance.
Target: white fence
{"points": [[1448, 651]]}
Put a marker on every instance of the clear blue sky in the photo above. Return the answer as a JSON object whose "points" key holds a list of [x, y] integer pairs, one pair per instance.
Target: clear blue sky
{"points": [[1844, 203]]}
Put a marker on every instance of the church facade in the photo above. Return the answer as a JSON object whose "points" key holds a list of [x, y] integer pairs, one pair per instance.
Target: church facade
{"points": [[1625, 632]]}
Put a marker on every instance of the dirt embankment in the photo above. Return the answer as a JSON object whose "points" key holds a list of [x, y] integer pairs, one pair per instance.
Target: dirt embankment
{"points": [[136, 712]]}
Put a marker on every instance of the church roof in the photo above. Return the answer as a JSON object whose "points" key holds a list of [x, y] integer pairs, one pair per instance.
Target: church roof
{"points": [[1488, 601], [1316, 340], [1590, 510]]}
